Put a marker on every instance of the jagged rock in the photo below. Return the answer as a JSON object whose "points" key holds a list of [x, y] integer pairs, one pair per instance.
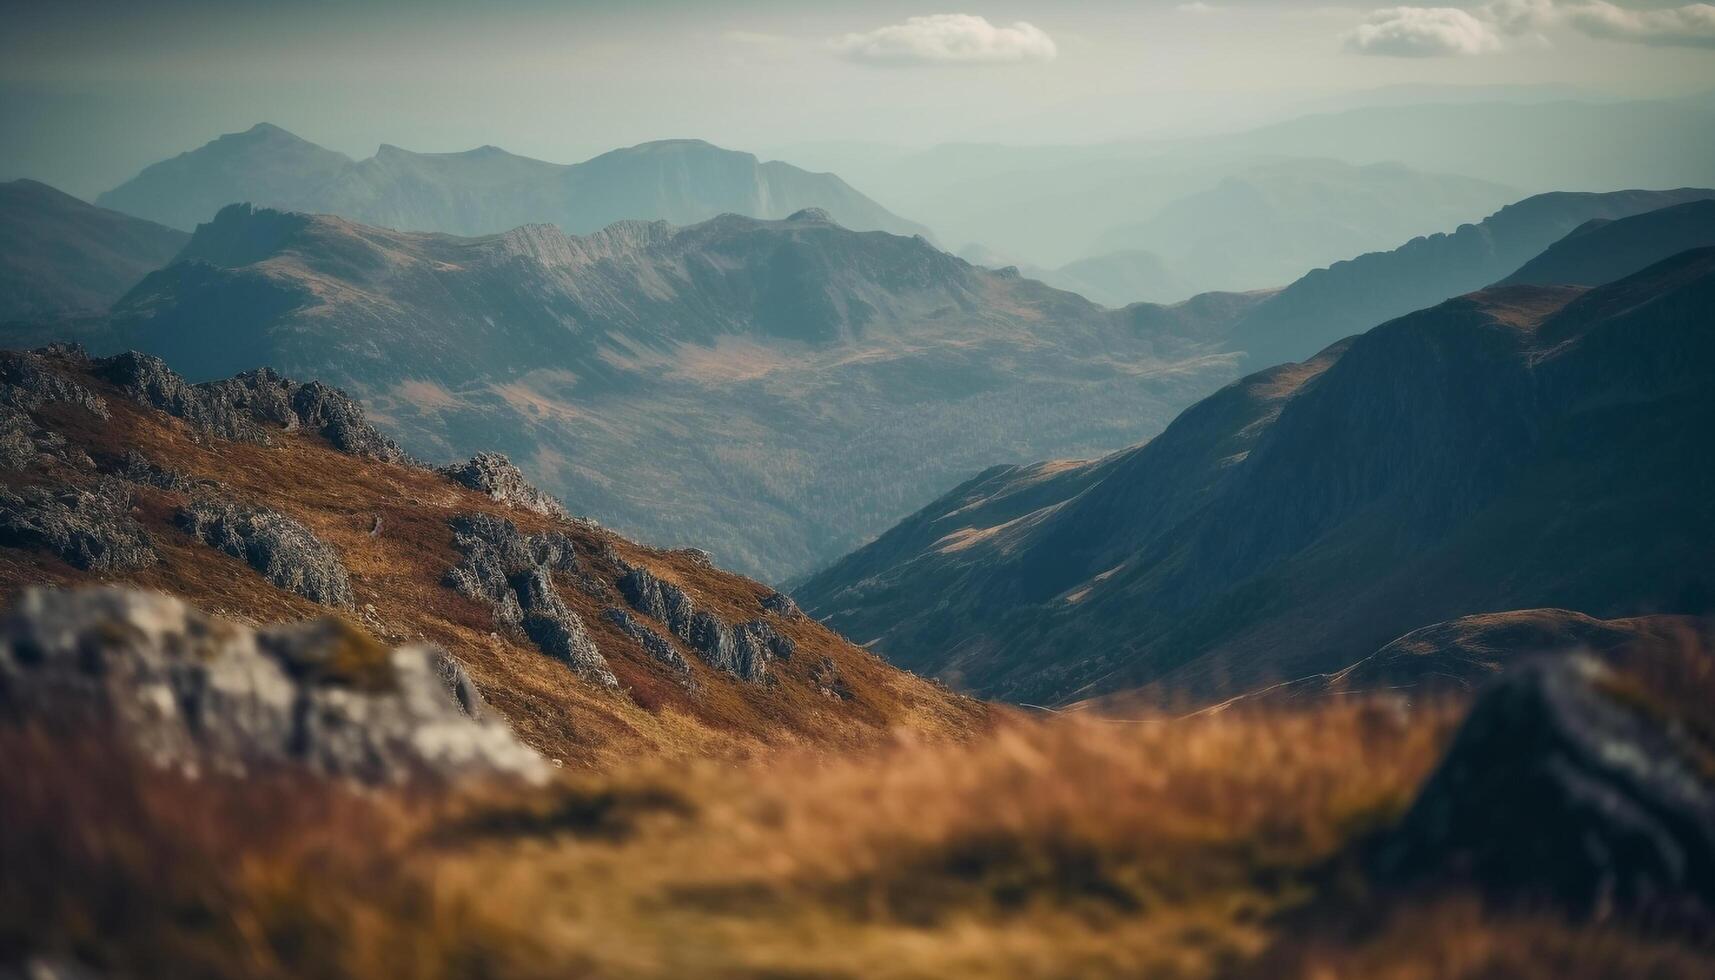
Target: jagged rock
{"points": [[664, 601], [200, 694], [27, 384], [511, 573], [137, 468], [653, 643], [494, 475], [246, 406], [781, 604], [338, 418], [90, 528], [766, 640], [742, 652], [826, 676], [1561, 788], [285, 552]]}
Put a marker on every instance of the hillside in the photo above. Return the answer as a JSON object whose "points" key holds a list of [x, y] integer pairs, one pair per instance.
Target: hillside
{"points": [[266, 501], [59, 255], [773, 391], [1346, 297], [486, 190], [1602, 250], [1301, 518]]}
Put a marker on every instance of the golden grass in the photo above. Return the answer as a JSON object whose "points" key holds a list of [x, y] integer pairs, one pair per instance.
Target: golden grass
{"points": [[1211, 846]]}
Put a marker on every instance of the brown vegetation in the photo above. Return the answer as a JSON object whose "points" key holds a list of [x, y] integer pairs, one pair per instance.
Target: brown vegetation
{"points": [[396, 573], [1203, 847]]}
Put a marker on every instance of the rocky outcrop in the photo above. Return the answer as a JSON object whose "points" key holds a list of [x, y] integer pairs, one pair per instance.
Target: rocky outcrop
{"points": [[660, 600], [88, 527], [494, 475], [743, 651], [250, 405], [27, 385], [653, 643], [285, 552], [780, 604], [1568, 784], [827, 679], [200, 694], [512, 574], [137, 468]]}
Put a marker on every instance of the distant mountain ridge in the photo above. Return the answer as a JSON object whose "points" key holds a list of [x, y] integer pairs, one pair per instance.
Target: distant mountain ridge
{"points": [[1354, 295], [486, 190], [775, 391], [60, 255], [1521, 447]]}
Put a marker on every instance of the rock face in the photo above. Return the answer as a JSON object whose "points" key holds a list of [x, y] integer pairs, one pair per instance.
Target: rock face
{"points": [[494, 474], [660, 600], [653, 643], [201, 694], [742, 651], [1567, 785], [512, 573], [286, 552], [89, 528], [246, 406]]}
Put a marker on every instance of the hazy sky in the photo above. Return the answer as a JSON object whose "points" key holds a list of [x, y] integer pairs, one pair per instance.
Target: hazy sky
{"points": [[90, 91]]}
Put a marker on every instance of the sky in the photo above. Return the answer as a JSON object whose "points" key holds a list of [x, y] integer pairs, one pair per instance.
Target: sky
{"points": [[91, 90]]}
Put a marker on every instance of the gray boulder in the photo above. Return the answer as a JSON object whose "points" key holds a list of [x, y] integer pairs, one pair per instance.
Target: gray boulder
{"points": [[494, 475], [512, 573], [284, 551], [87, 527], [1562, 787], [203, 695]]}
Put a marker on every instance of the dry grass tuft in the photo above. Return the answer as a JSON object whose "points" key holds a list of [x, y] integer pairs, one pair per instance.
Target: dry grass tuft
{"points": [[1205, 847]]}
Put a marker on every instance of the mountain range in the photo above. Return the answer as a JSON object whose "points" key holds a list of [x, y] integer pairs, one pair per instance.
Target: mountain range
{"points": [[776, 391], [485, 190], [1346, 297], [1523, 446], [1056, 201], [59, 255]]}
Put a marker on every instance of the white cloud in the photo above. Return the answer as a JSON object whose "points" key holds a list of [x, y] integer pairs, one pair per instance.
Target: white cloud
{"points": [[1692, 25], [948, 39], [1197, 7], [1421, 32]]}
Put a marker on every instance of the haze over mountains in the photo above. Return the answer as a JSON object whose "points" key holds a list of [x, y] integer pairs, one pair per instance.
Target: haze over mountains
{"points": [[1520, 447], [1060, 200], [1347, 297], [59, 255], [773, 391], [485, 190]]}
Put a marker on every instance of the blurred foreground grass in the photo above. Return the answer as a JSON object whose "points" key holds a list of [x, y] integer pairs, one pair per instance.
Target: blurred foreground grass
{"points": [[1221, 845]]}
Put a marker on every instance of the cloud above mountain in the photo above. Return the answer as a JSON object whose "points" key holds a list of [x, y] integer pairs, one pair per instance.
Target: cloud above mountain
{"points": [[1692, 25], [1439, 31], [1423, 32], [949, 39]]}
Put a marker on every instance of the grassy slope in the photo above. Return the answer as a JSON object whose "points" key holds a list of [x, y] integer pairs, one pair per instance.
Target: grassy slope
{"points": [[397, 573]]}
